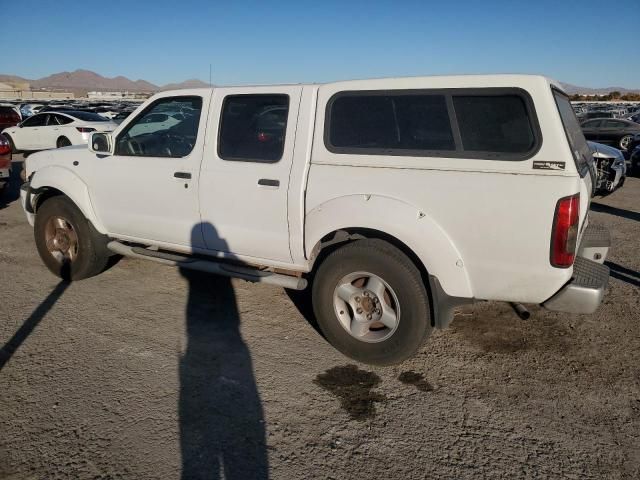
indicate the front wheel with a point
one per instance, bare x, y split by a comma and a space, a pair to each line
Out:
67, 242
371, 303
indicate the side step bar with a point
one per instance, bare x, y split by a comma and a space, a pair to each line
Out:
210, 266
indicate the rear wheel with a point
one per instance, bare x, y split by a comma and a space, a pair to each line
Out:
67, 242
625, 142
63, 142
371, 303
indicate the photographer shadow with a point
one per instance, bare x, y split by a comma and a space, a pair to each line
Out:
222, 429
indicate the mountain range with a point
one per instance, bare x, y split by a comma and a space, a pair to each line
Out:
574, 89
81, 81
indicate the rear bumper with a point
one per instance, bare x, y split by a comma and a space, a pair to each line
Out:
585, 291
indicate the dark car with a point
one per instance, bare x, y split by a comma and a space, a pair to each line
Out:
635, 161
9, 117
616, 132
595, 114
120, 117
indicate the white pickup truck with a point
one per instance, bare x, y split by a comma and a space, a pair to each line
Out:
397, 199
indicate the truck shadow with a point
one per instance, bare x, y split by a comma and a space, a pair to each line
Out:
494, 328
29, 325
222, 429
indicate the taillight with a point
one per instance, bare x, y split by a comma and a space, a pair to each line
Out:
5, 148
564, 235
85, 129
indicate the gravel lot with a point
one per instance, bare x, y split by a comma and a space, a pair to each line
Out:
148, 372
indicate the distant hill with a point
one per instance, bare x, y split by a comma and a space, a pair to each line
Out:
85, 79
574, 89
82, 81
193, 83
13, 79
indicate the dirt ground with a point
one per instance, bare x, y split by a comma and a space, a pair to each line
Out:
148, 372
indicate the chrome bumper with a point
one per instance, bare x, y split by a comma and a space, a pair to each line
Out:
585, 290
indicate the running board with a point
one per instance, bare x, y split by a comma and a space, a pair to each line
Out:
217, 268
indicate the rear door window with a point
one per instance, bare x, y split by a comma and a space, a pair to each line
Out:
253, 127
577, 142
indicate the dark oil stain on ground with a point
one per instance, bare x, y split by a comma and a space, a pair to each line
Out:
415, 379
353, 387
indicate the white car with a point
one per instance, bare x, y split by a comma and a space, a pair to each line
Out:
155, 122
56, 129
399, 199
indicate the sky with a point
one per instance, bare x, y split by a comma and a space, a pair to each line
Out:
585, 43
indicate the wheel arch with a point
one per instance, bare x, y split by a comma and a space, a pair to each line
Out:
53, 180
407, 227
60, 137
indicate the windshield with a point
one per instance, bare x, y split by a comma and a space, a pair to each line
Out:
577, 142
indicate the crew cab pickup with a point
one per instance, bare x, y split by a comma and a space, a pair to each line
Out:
395, 200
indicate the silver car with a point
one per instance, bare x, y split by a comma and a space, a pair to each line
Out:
611, 168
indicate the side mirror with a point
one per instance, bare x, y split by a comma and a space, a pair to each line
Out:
20, 125
100, 143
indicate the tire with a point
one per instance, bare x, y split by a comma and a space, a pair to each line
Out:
89, 257
624, 142
63, 142
11, 144
403, 293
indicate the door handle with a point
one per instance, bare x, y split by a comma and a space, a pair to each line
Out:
267, 182
185, 175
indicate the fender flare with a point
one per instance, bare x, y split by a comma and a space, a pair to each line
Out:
67, 182
405, 222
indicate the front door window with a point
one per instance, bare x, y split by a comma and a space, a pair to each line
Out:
167, 128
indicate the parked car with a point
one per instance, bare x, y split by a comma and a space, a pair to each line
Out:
617, 132
29, 109
9, 117
55, 130
5, 163
595, 114
401, 198
120, 117
611, 167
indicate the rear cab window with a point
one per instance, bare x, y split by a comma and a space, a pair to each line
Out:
488, 123
577, 142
